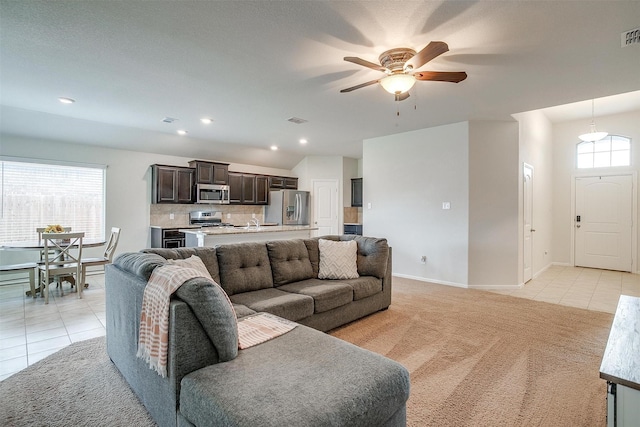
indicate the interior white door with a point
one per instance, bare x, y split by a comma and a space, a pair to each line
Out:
603, 222
325, 207
527, 196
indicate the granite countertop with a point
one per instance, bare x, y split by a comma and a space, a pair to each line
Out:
164, 227
241, 230
621, 359
352, 223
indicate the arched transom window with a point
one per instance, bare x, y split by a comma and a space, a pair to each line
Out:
614, 150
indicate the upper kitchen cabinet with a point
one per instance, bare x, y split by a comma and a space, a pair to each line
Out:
356, 192
172, 184
210, 173
281, 182
248, 189
262, 190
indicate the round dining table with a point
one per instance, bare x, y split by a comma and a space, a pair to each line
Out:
35, 245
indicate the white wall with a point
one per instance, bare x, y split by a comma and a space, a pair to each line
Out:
128, 191
493, 204
406, 177
536, 149
565, 138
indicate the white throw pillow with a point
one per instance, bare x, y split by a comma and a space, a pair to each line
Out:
193, 261
338, 260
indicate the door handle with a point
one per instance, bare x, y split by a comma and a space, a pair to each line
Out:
578, 226
533, 230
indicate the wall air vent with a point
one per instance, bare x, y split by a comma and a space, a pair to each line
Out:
169, 120
297, 120
630, 37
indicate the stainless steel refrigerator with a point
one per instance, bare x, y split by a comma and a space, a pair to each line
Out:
288, 207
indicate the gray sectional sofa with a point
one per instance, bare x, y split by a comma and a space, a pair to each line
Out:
302, 378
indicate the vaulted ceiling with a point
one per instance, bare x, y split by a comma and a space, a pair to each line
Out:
251, 65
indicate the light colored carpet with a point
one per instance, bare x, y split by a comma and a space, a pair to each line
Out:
482, 359
77, 386
476, 359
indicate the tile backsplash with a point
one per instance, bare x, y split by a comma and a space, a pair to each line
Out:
240, 214
352, 215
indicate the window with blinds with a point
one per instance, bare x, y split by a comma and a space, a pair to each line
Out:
35, 194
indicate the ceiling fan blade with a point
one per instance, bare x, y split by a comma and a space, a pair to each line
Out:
441, 76
349, 89
431, 51
364, 63
402, 96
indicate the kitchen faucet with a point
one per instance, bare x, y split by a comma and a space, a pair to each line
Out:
255, 222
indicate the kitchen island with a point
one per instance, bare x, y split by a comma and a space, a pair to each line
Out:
213, 236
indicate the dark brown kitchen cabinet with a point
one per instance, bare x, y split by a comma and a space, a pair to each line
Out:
210, 172
172, 184
262, 190
235, 188
356, 192
248, 189
280, 182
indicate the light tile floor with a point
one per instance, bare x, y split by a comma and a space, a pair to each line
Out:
580, 287
31, 330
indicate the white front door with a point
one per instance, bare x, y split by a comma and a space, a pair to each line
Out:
325, 207
527, 195
603, 222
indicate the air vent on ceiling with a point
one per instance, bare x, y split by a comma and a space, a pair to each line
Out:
297, 120
630, 37
169, 120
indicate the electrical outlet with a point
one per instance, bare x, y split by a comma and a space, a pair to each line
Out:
228, 216
253, 216
423, 259
172, 216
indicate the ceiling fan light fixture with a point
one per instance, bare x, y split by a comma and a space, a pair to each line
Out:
593, 135
398, 83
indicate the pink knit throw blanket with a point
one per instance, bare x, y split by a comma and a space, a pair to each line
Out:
153, 340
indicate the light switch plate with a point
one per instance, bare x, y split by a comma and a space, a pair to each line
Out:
446, 205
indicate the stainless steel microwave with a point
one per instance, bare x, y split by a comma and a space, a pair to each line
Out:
212, 194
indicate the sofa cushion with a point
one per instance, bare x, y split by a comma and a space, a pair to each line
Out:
314, 254
373, 254
140, 264
207, 255
244, 267
214, 311
284, 304
326, 294
364, 286
242, 310
338, 260
289, 261
302, 378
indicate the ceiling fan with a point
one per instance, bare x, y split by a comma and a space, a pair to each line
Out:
399, 65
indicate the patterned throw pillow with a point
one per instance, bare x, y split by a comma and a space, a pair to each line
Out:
338, 260
192, 262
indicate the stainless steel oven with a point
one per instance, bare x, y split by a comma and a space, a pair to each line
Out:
212, 194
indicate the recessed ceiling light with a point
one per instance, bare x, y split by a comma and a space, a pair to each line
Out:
66, 100
274, 147
182, 132
206, 120
303, 141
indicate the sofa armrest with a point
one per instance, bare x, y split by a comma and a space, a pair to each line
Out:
189, 347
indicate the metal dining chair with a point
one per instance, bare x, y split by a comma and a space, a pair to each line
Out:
106, 258
62, 254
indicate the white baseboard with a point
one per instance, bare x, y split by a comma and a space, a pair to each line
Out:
424, 279
497, 287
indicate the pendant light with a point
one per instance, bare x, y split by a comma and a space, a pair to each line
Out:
593, 135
